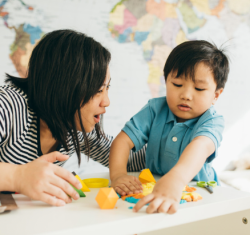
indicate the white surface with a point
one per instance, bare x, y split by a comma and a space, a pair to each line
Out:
237, 179
85, 217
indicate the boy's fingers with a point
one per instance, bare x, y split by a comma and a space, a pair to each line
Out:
132, 187
164, 207
136, 185
154, 205
145, 200
125, 188
173, 208
120, 191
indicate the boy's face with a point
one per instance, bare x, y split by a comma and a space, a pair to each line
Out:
188, 99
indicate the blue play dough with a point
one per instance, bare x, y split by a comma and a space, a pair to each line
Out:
132, 200
135, 200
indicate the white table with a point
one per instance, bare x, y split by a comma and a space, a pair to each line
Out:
218, 213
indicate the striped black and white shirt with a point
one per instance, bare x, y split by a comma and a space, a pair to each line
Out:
19, 140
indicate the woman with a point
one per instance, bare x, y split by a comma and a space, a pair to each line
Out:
53, 113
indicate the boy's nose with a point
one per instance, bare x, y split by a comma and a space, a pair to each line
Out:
186, 95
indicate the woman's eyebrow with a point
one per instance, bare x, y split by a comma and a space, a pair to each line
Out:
104, 84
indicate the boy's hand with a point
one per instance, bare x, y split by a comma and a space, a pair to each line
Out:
165, 197
126, 184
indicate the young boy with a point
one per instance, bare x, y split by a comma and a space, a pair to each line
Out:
182, 130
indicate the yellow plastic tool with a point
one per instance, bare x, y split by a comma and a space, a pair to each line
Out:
146, 176
96, 182
84, 186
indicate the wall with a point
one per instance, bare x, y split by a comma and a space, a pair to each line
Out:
140, 34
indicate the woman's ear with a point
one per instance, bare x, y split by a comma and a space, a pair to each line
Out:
217, 94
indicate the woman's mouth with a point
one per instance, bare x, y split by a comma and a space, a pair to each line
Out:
183, 107
97, 118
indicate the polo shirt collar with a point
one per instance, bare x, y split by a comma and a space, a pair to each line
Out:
189, 123
171, 117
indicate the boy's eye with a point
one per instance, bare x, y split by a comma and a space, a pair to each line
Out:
177, 85
198, 89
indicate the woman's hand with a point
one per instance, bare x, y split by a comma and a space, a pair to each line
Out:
165, 197
44, 181
126, 184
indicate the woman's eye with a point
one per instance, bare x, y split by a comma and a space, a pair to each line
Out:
108, 87
100, 91
177, 85
198, 89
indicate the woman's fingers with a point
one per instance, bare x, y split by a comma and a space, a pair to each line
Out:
145, 200
57, 192
67, 176
54, 156
65, 187
51, 200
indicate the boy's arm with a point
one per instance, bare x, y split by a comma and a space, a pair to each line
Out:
167, 192
193, 158
118, 159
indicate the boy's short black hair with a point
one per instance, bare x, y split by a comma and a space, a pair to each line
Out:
187, 55
66, 69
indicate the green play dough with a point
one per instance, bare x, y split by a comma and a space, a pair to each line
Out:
80, 192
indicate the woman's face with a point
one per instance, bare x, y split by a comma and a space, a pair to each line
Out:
91, 111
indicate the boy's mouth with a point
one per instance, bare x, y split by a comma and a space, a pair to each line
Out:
183, 107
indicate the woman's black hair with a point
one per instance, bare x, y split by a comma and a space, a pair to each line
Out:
187, 55
66, 69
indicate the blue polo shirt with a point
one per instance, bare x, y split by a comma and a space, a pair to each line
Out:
156, 125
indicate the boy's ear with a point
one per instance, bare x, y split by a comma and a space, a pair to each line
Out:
217, 94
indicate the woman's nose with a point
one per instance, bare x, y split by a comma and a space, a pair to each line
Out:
105, 101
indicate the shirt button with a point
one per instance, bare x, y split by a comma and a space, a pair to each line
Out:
174, 139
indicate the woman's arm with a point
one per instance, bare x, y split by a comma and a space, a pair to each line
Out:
7, 177
39, 179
